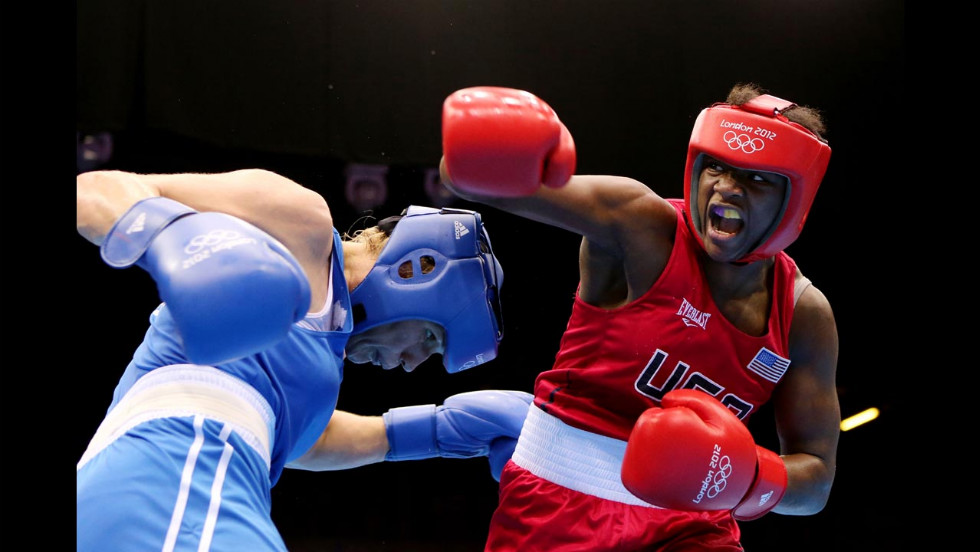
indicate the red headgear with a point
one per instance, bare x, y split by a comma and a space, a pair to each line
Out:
757, 136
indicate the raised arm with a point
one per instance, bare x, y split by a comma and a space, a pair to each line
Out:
296, 216
248, 250
293, 214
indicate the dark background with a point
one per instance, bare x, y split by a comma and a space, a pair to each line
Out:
304, 87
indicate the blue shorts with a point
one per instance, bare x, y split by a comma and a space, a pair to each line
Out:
180, 463
176, 484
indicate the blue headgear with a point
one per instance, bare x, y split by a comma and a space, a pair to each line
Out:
461, 292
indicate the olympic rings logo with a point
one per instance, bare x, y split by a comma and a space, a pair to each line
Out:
720, 479
211, 239
743, 142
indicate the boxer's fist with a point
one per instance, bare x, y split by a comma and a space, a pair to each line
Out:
467, 425
694, 454
232, 289
504, 142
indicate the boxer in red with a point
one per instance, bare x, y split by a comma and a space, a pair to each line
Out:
689, 316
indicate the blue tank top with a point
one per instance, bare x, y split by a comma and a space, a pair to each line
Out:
299, 377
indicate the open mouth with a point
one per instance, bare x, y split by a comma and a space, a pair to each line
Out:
725, 220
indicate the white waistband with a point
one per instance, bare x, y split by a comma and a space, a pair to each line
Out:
573, 458
188, 390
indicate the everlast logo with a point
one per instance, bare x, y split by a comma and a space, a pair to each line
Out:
692, 316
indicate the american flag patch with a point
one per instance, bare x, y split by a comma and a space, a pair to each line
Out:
769, 365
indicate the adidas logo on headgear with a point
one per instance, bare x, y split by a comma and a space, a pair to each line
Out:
460, 229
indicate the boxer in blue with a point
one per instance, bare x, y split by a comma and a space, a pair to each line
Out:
238, 374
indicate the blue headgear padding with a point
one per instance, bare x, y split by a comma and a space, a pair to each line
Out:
461, 292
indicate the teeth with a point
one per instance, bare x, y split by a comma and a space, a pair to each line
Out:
726, 213
726, 220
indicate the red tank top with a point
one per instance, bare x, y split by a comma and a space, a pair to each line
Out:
614, 364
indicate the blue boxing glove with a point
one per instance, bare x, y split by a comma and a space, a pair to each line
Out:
467, 425
233, 289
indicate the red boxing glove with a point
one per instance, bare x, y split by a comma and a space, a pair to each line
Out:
504, 142
694, 454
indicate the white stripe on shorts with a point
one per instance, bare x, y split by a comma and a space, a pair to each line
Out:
185, 485
219, 481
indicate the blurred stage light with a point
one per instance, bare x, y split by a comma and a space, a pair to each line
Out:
367, 186
860, 418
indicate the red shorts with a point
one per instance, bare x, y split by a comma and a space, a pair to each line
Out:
561, 492
537, 515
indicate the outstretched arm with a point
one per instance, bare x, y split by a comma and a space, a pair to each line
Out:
508, 149
467, 425
349, 441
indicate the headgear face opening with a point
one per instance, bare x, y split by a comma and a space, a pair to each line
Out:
460, 290
756, 136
